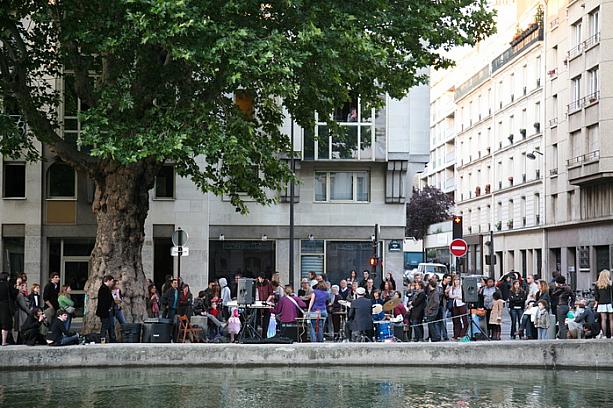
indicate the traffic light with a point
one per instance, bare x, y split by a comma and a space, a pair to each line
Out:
457, 226
373, 261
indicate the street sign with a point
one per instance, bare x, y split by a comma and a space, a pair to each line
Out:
179, 238
458, 247
394, 246
179, 251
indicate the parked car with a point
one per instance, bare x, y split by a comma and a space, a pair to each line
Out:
425, 268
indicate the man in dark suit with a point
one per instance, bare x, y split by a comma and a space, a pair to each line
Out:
360, 314
104, 307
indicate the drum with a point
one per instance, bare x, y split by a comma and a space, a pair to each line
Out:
384, 331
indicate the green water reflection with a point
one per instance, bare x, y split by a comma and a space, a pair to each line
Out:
305, 387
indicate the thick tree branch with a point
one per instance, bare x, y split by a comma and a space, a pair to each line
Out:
83, 85
37, 120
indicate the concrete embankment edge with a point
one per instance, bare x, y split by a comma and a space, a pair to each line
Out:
586, 354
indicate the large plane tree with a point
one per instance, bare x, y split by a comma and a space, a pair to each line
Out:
158, 79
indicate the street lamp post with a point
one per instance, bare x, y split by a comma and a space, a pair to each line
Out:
291, 208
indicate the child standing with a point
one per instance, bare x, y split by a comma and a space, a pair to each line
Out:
542, 320
496, 316
234, 324
214, 331
154, 302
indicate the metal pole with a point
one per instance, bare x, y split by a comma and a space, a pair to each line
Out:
180, 253
375, 244
492, 256
291, 208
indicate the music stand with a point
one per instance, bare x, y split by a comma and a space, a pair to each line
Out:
248, 329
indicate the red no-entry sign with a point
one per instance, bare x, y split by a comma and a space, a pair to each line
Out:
458, 247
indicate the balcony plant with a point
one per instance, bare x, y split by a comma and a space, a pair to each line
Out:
539, 14
511, 138
522, 132
537, 126
499, 225
510, 180
510, 224
487, 189
477, 191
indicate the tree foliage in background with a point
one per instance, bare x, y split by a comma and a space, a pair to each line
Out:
156, 80
426, 207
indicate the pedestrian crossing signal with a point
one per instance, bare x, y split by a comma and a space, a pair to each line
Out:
373, 261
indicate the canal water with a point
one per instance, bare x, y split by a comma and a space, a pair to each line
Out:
303, 387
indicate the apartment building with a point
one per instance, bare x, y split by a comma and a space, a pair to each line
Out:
346, 187
531, 166
579, 153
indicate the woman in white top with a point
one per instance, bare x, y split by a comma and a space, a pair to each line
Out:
458, 311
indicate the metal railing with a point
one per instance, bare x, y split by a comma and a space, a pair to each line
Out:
554, 23
553, 172
533, 34
588, 157
593, 97
575, 51
472, 83
575, 105
553, 122
591, 41
582, 46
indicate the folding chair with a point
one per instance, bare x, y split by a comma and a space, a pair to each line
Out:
187, 330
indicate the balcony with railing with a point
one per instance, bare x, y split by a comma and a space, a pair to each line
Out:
578, 49
449, 185
575, 51
466, 87
588, 168
591, 41
575, 106
592, 98
450, 157
526, 38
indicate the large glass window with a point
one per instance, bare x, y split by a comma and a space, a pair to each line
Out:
249, 258
576, 34
165, 182
575, 89
73, 107
14, 180
593, 83
312, 257
595, 23
361, 135
13, 256
342, 186
321, 186
61, 181
334, 258
344, 256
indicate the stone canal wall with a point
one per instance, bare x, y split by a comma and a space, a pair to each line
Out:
588, 354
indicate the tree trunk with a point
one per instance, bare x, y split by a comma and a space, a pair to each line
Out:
121, 204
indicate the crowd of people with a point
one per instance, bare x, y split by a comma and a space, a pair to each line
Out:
351, 310
30, 317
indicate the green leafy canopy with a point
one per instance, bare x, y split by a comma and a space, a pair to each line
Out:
426, 207
158, 76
